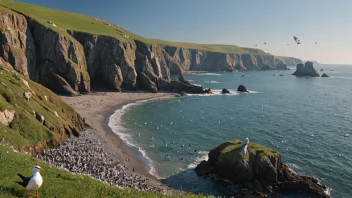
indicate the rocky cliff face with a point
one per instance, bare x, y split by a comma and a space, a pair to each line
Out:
69, 63
261, 170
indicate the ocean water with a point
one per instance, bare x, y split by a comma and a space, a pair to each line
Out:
305, 119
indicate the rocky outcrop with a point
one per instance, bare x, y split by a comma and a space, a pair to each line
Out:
306, 70
280, 65
60, 54
324, 75
261, 170
109, 60
16, 42
242, 89
6, 117
146, 83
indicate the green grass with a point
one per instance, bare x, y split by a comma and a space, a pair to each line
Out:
82, 23
57, 182
25, 131
283, 58
230, 152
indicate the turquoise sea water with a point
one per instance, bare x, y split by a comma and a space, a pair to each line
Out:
305, 119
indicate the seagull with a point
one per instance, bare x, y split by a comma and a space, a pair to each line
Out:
32, 183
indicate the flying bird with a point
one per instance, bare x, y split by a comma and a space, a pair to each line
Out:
316, 43
296, 40
32, 183
265, 43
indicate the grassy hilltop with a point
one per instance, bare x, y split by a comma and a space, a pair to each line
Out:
77, 22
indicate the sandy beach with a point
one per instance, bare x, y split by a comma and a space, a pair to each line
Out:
96, 108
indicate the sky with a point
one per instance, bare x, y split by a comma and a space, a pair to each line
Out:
233, 22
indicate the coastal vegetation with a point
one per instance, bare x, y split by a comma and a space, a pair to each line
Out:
39, 121
58, 182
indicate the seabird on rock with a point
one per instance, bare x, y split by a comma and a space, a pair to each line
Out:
32, 183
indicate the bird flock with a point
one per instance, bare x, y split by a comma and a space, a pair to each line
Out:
296, 40
86, 155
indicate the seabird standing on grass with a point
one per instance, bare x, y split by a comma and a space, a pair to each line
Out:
32, 183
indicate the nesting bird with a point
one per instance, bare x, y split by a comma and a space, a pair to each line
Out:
32, 183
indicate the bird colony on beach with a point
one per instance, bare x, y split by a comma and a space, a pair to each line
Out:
86, 155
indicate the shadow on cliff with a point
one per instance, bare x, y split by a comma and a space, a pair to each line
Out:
188, 181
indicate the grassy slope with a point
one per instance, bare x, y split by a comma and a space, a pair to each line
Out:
283, 58
83, 23
57, 182
25, 130
231, 151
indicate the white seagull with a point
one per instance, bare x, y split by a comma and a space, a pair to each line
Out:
34, 182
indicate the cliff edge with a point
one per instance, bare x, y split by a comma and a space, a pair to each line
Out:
69, 53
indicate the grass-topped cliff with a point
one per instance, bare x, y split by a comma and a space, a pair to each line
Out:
69, 52
230, 152
82, 23
42, 121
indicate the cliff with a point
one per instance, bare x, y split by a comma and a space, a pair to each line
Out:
31, 116
289, 61
74, 52
261, 170
306, 70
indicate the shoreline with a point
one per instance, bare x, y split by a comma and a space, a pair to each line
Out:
97, 108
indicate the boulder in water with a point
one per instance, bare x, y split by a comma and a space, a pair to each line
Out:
242, 88
321, 70
325, 75
225, 91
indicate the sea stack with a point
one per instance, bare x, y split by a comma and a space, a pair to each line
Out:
325, 75
306, 70
261, 170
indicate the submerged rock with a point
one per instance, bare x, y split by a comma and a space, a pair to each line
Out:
225, 91
306, 70
261, 170
325, 75
242, 88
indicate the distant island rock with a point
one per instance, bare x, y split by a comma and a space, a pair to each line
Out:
261, 170
325, 75
280, 65
306, 70
242, 88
